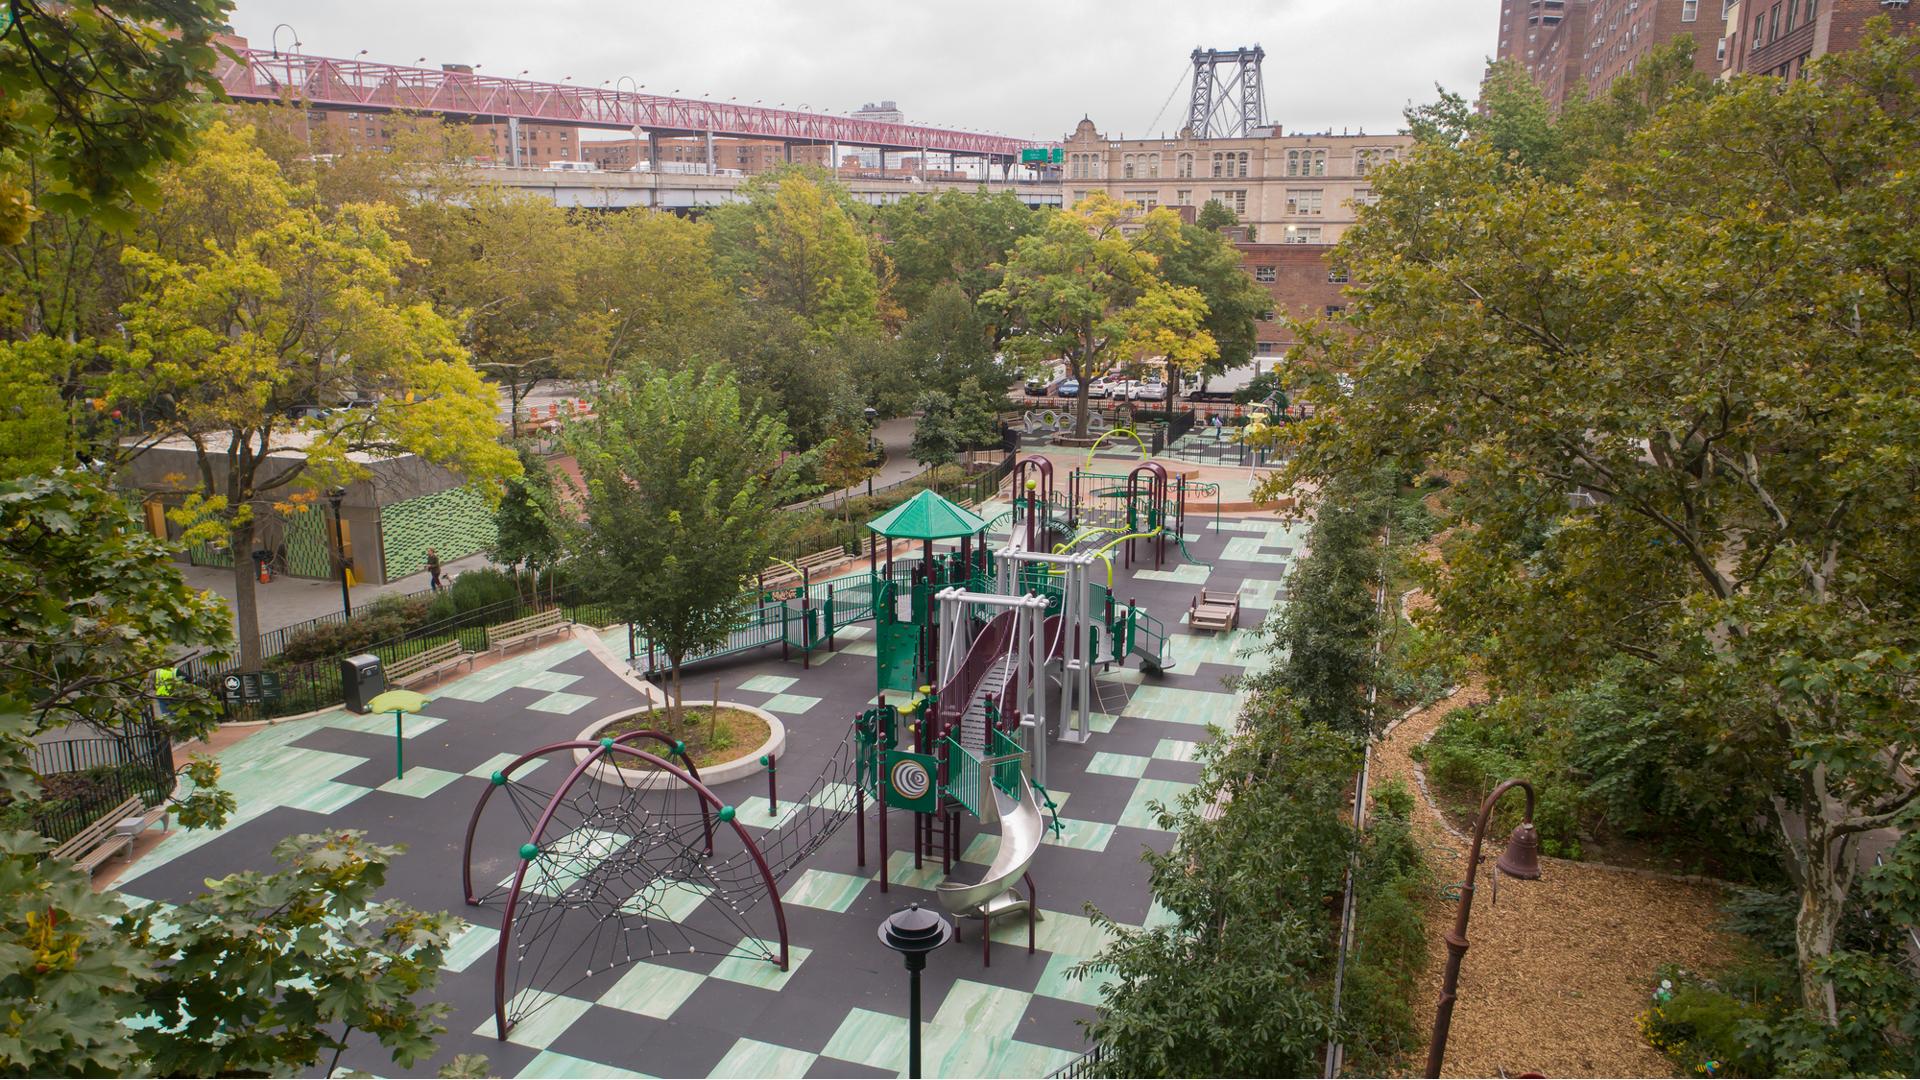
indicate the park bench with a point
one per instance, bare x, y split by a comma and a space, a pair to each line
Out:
781, 573
422, 666
1214, 611
504, 636
101, 840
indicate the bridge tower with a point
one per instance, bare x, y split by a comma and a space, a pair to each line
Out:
1229, 100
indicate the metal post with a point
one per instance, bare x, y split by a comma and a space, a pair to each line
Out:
340, 551
399, 747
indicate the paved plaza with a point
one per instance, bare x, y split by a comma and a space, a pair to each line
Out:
841, 1007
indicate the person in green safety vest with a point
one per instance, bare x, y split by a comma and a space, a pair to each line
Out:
165, 681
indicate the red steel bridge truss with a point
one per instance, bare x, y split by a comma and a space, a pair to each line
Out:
328, 82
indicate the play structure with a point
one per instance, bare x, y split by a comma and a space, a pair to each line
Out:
983, 657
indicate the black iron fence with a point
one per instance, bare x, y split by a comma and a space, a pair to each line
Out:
315, 684
274, 642
83, 779
1093, 1063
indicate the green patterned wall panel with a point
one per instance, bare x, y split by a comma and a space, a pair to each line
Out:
307, 546
456, 523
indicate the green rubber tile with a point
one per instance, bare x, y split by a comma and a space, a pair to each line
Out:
1185, 574
419, 782
1100, 723
1158, 916
382, 724
900, 869
323, 798
1257, 527
1013, 1057
970, 1023
751, 970
980, 849
751, 1057
757, 812
479, 687
564, 860
860, 648
870, 1038
487, 768
469, 945
562, 703
1261, 592
668, 899
554, 1014
652, 990
1122, 675
844, 634
1176, 750
824, 889
1138, 815
1180, 706
790, 703
1055, 982
1247, 549
547, 680
768, 684
1057, 932
567, 1067
1081, 835
1118, 765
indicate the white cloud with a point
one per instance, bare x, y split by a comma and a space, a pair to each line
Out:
1012, 67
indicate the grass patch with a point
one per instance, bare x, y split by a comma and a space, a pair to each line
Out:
710, 738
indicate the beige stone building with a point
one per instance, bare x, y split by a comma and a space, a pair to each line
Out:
1293, 189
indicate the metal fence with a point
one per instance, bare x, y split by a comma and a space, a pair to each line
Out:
274, 642
1093, 1063
315, 684
83, 779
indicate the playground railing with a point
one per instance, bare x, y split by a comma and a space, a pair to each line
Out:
988, 650
963, 776
1006, 775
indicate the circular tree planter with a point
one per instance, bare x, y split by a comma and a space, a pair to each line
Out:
713, 775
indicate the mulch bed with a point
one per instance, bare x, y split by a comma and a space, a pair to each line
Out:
1559, 969
738, 731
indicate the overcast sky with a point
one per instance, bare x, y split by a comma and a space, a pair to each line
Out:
1024, 68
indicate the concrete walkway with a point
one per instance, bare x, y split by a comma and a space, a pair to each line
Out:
896, 436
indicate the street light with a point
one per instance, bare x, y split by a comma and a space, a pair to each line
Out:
334, 496
288, 27
913, 933
871, 414
1520, 860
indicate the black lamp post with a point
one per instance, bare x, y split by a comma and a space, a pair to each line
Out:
335, 496
871, 414
913, 932
1520, 860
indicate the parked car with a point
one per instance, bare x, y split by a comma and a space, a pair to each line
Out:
1120, 389
1097, 388
1070, 388
1041, 387
1150, 390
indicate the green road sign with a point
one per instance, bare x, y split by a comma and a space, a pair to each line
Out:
910, 781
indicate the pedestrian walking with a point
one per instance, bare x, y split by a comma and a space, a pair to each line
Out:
165, 681
433, 570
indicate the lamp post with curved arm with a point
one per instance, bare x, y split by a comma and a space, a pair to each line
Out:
288, 27
1520, 860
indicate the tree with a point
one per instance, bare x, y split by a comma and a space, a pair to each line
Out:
1081, 289
791, 242
949, 423
956, 238
1215, 215
784, 367
1677, 398
98, 96
949, 341
531, 522
1206, 261
683, 493
648, 276
1238, 981
300, 310
511, 268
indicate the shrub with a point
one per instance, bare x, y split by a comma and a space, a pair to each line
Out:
387, 618
1698, 1024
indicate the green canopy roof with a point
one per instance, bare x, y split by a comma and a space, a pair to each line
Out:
927, 516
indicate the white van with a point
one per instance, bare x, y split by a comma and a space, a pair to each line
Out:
571, 166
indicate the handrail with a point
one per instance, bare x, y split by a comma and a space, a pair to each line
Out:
957, 693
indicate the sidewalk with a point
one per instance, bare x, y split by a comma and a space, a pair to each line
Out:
897, 436
289, 600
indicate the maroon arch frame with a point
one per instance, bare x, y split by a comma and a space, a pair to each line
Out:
598, 750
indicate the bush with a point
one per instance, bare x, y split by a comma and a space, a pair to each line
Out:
383, 620
471, 591
1697, 1025
1390, 939
1476, 748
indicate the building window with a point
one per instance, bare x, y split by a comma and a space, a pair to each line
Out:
1234, 200
1301, 234
1337, 276
1183, 197
1267, 315
1147, 199
1304, 201
1793, 12
1126, 167
1364, 196
1689, 10
1079, 197
1229, 165
1335, 309
1265, 348
1153, 165
1266, 275
1367, 160
1773, 25
1185, 169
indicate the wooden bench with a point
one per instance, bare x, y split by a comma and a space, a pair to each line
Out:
101, 840
425, 665
1214, 611
504, 636
782, 573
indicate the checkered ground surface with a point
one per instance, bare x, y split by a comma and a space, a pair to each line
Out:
840, 1010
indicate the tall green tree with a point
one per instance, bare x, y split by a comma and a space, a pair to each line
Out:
649, 278
530, 525
967, 419
296, 309
1084, 290
792, 242
1206, 261
1677, 395
958, 238
684, 486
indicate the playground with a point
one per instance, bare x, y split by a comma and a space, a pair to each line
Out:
978, 720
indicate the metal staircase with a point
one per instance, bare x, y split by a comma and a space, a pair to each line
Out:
975, 722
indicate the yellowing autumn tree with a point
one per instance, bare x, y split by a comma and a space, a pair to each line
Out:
276, 307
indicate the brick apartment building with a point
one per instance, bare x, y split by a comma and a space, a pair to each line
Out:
1779, 37
1575, 46
1305, 284
750, 156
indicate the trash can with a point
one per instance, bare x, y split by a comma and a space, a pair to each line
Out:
361, 680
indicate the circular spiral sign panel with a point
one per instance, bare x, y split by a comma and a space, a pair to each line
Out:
910, 779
